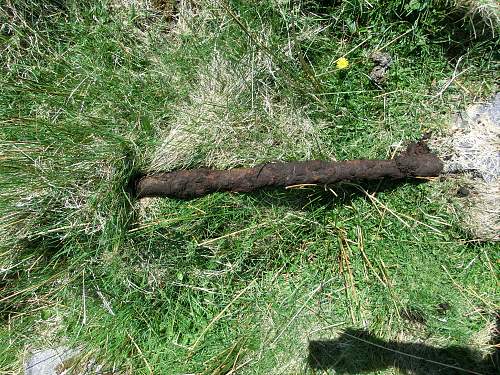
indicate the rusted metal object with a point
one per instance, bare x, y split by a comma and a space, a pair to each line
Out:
416, 161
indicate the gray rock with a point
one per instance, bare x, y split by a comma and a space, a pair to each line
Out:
382, 63
51, 361
382, 59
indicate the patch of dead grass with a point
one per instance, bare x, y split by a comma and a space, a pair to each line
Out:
487, 10
471, 146
233, 118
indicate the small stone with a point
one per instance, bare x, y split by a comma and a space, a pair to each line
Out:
462, 192
378, 74
382, 59
61, 360
382, 62
50, 361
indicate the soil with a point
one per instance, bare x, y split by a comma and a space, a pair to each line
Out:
416, 161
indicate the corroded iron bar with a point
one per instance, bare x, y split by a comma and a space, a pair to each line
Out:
416, 161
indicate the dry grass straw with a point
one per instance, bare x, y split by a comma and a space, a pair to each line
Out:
472, 147
234, 118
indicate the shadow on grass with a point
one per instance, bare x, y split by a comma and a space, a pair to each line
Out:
358, 351
314, 197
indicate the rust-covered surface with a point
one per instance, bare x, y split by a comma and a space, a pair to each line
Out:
416, 161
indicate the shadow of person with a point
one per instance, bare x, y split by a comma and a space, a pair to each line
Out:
358, 351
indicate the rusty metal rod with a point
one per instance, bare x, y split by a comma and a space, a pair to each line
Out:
416, 161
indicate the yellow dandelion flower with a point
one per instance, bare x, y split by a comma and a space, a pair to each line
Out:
342, 63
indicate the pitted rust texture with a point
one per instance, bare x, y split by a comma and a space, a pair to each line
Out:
416, 161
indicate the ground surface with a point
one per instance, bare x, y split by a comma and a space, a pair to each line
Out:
279, 281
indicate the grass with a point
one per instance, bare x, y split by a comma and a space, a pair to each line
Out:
94, 92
